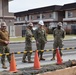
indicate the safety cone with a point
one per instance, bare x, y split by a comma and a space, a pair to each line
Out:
59, 59
13, 64
36, 61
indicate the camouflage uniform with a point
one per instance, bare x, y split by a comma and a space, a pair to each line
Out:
28, 44
58, 34
40, 37
4, 36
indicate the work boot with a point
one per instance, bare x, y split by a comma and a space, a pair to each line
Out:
4, 67
52, 59
30, 61
24, 61
42, 59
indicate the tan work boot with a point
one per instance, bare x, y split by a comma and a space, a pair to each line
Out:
4, 67
42, 59
52, 59
24, 61
30, 61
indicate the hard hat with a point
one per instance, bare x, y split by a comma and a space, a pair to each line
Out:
30, 24
59, 24
3, 24
41, 22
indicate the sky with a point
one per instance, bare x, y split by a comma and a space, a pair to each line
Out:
23, 5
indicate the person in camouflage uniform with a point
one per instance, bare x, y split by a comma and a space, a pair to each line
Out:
4, 41
58, 35
28, 43
41, 39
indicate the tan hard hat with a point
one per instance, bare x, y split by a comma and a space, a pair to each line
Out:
3, 24
30, 24
59, 23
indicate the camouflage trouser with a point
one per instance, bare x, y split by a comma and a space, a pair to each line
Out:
57, 45
4, 49
28, 48
40, 46
54, 53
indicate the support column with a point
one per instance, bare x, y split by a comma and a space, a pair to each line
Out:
6, 16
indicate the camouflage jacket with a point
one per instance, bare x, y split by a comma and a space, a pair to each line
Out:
28, 35
40, 34
59, 34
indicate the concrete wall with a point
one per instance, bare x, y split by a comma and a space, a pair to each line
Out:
0, 8
7, 17
74, 13
5, 7
18, 30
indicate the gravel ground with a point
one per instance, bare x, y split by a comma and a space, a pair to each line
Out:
45, 68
